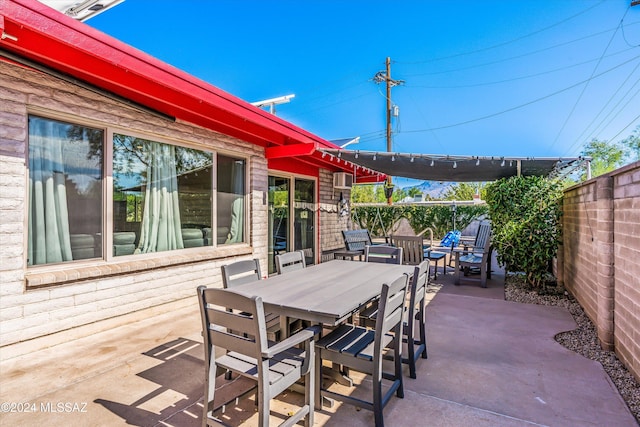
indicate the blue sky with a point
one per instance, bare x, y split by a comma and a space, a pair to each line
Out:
534, 78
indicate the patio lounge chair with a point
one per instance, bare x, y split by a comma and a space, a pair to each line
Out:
478, 257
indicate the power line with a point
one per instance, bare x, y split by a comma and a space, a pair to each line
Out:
589, 80
488, 116
533, 52
528, 76
624, 128
612, 118
606, 105
507, 42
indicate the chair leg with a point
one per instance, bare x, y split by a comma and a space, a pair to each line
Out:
309, 388
263, 407
317, 396
423, 332
377, 401
411, 355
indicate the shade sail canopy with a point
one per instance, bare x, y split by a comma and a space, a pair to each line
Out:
432, 167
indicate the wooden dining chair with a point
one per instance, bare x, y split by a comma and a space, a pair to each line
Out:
414, 337
290, 261
415, 311
363, 349
412, 248
248, 271
242, 334
383, 254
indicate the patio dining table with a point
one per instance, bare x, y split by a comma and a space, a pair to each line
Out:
326, 293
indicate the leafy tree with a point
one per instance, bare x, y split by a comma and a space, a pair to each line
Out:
525, 216
632, 143
464, 191
606, 156
363, 193
414, 191
398, 194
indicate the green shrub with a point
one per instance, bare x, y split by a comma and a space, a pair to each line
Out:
525, 217
381, 219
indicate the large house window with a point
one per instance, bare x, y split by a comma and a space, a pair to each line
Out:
230, 199
163, 195
65, 192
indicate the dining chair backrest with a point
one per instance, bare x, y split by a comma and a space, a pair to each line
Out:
383, 254
242, 333
241, 272
356, 240
483, 235
391, 310
290, 261
412, 248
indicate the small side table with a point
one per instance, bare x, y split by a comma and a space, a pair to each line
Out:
437, 256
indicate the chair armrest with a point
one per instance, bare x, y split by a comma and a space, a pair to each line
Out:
292, 341
471, 250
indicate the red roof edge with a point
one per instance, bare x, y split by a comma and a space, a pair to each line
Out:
36, 32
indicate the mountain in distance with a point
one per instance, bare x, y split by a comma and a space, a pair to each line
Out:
435, 189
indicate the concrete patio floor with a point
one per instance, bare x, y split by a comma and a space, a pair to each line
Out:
491, 363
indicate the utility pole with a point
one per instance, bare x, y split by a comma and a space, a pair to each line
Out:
385, 76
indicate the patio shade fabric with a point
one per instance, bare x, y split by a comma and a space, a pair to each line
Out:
431, 167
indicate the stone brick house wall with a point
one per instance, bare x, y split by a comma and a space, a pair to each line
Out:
332, 223
598, 262
47, 305
67, 301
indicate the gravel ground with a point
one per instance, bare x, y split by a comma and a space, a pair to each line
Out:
582, 340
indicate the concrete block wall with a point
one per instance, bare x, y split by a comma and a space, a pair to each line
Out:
601, 248
626, 253
43, 306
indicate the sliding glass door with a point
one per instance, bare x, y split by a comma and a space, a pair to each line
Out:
292, 218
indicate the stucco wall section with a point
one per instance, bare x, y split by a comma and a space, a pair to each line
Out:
98, 291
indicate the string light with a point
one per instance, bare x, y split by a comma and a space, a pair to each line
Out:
502, 164
411, 159
455, 165
393, 158
478, 161
356, 155
432, 162
510, 163
374, 156
339, 154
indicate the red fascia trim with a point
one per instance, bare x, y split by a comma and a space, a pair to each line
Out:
294, 165
58, 41
292, 150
